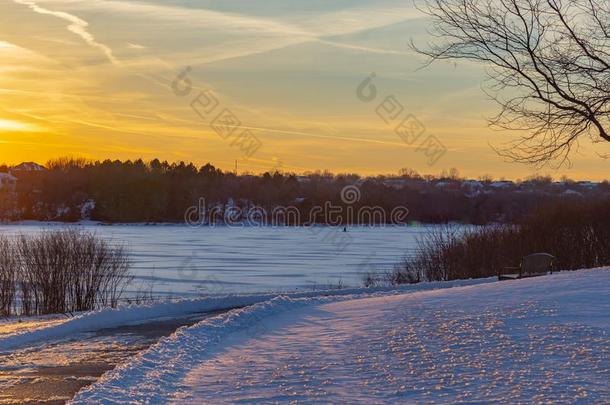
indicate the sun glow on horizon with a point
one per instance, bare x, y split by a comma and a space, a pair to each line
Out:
95, 79
16, 126
4, 44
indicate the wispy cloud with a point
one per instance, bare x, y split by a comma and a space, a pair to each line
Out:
239, 35
324, 136
77, 26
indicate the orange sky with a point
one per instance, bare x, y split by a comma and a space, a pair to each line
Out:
93, 79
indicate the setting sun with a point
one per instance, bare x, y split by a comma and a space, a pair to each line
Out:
10, 125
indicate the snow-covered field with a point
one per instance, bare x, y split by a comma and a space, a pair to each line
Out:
187, 261
539, 340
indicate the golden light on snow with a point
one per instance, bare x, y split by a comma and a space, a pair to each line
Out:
25, 324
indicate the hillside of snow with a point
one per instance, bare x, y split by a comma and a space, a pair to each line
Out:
544, 339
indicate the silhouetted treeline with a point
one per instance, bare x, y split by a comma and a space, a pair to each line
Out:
155, 191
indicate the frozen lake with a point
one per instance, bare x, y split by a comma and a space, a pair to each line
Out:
184, 261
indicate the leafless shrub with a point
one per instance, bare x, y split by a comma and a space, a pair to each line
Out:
70, 271
372, 279
577, 234
407, 272
450, 254
8, 276
329, 285
144, 295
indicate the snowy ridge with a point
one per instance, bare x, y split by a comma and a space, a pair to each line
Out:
157, 372
111, 318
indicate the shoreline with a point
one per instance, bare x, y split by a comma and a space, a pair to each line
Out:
236, 225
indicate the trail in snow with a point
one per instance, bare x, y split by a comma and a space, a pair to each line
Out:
17, 337
532, 340
55, 371
53, 357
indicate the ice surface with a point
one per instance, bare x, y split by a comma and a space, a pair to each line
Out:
189, 261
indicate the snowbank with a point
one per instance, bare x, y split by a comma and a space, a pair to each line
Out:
181, 351
111, 318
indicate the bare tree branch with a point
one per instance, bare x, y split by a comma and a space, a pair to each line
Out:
548, 63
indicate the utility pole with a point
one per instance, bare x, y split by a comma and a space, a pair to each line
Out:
236, 167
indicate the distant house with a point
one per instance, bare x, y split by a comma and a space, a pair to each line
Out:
501, 184
303, 179
472, 188
396, 183
8, 183
28, 167
26, 173
449, 185
472, 184
8, 196
571, 193
588, 185
559, 184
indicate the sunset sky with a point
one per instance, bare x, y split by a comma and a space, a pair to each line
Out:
92, 78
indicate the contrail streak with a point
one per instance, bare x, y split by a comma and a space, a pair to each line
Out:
77, 26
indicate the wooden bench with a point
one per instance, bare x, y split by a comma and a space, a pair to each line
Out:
537, 264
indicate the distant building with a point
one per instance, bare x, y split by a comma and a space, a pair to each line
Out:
396, 183
28, 167
475, 184
501, 184
588, 185
8, 196
23, 172
303, 179
8, 182
449, 185
571, 193
472, 188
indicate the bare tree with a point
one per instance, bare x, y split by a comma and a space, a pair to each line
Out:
548, 63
